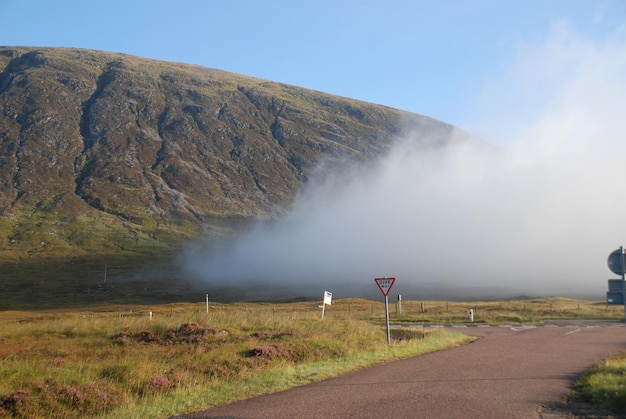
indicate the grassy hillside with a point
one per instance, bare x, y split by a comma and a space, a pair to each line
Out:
102, 152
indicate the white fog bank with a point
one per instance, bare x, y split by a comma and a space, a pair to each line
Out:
536, 213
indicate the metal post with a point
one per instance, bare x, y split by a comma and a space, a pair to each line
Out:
623, 269
387, 320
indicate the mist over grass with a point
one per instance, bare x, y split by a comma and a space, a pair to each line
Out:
536, 210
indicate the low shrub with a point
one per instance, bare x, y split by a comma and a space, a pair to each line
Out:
186, 333
14, 404
407, 334
55, 399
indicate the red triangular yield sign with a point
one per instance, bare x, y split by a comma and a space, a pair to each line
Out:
385, 284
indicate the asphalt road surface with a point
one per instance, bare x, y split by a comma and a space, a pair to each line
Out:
510, 372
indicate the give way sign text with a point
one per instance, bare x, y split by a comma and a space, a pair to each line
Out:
385, 284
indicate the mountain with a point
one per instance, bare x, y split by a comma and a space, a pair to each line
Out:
103, 153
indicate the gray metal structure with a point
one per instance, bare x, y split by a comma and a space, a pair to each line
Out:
616, 295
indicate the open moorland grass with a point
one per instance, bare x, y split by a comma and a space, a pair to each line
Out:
163, 360
528, 311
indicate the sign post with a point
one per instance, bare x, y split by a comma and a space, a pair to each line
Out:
384, 285
617, 265
328, 298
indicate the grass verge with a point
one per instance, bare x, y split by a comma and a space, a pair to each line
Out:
604, 386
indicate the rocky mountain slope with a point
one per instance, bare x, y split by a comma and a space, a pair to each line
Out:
102, 152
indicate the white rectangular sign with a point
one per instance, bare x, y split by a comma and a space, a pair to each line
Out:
328, 297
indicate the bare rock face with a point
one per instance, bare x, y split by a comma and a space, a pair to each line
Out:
100, 149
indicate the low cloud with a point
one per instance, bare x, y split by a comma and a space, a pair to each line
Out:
534, 211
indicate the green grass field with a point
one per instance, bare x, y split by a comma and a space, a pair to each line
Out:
166, 359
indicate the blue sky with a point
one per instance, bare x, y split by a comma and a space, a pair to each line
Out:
429, 57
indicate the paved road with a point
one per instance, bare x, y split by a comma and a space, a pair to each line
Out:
510, 372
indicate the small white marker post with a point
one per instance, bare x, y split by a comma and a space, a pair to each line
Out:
384, 285
328, 297
207, 304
